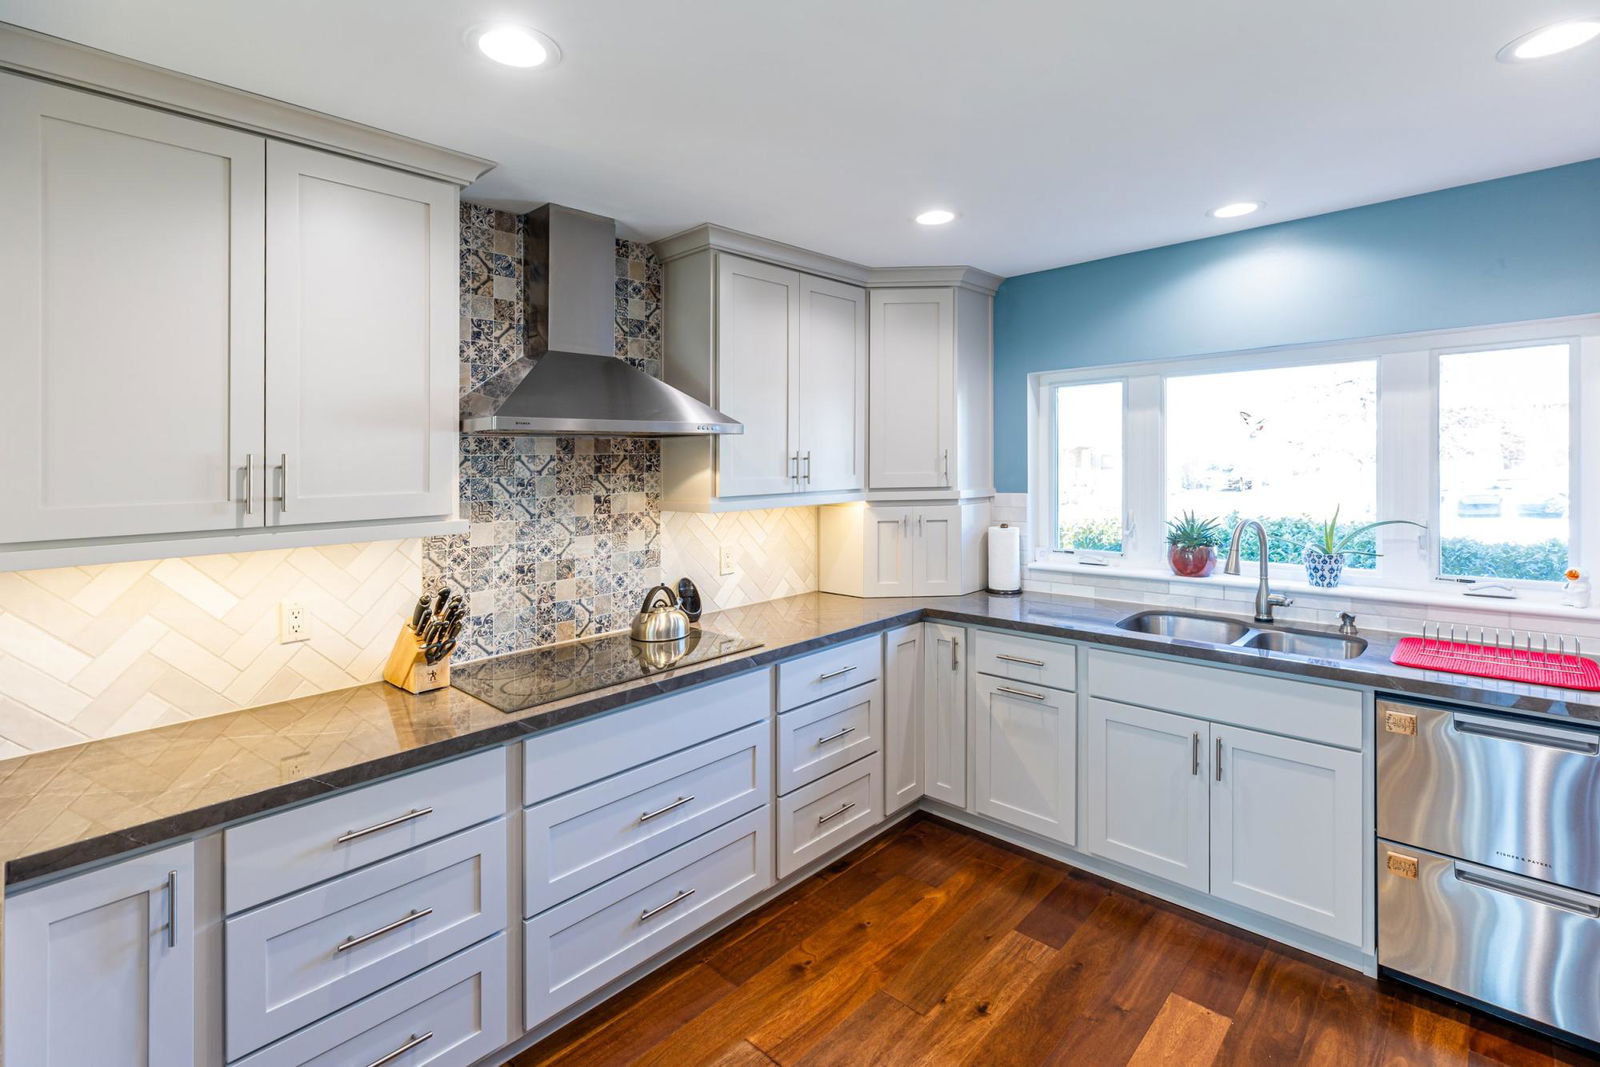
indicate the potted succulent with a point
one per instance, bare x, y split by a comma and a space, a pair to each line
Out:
1325, 557
1192, 545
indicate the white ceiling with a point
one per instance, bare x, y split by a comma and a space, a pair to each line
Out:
1061, 130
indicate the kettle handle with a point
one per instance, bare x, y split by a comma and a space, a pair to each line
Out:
649, 598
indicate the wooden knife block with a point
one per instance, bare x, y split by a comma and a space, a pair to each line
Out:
407, 668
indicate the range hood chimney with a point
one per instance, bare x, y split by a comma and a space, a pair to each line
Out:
569, 380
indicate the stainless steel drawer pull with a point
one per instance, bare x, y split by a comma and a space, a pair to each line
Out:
659, 908
352, 835
412, 1043
1194, 758
835, 674
249, 484
1581, 743
1219, 759
172, 909
405, 920
1018, 692
1516, 889
680, 802
283, 465
832, 815
1019, 659
836, 736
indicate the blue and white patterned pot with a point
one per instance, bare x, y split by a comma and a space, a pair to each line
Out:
1323, 570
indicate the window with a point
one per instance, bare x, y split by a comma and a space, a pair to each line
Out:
1284, 446
1089, 466
1504, 462
1473, 437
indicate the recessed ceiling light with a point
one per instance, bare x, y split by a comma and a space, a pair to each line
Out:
1233, 211
936, 217
516, 46
1551, 40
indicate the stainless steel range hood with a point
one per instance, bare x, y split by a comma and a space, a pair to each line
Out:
569, 380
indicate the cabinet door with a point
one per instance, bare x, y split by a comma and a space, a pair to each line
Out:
362, 325
1146, 790
902, 717
1025, 755
758, 335
891, 546
831, 386
130, 318
913, 407
1286, 834
944, 713
938, 555
100, 967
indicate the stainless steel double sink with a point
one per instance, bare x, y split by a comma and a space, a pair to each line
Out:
1225, 632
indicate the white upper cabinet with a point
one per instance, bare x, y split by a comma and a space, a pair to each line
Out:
131, 370
830, 387
784, 353
902, 550
100, 967
362, 325
931, 410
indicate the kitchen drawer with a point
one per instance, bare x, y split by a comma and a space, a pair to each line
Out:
816, 818
449, 1015
569, 757
580, 839
1519, 943
1326, 714
296, 960
800, 681
1025, 659
828, 734
312, 843
577, 947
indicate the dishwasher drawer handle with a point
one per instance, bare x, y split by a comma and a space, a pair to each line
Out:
406, 920
649, 913
1516, 889
1018, 692
835, 736
1583, 744
832, 815
410, 1044
680, 802
354, 835
835, 674
1019, 659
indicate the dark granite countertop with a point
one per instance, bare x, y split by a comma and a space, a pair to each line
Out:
65, 807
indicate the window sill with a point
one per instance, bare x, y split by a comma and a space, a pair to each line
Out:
1531, 603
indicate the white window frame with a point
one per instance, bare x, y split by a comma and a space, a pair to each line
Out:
1408, 399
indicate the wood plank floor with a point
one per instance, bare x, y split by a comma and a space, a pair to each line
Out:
934, 945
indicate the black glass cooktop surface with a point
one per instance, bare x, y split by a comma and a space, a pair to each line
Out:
525, 680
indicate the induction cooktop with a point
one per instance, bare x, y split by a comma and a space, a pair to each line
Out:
525, 680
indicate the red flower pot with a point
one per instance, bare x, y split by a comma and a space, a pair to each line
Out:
1192, 562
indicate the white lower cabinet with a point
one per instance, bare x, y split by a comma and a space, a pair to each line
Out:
823, 814
100, 967
577, 947
1025, 757
449, 1015
944, 713
903, 721
1146, 791
828, 734
1286, 834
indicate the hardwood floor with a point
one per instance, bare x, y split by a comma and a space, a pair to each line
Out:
933, 945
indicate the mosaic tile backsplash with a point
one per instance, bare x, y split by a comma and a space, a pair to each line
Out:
566, 531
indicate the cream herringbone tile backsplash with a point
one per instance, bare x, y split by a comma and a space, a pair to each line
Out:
88, 652
776, 554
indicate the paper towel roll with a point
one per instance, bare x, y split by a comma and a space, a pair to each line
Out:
1005, 559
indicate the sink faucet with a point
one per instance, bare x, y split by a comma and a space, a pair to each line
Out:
1266, 599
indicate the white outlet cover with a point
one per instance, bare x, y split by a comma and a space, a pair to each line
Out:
293, 622
725, 560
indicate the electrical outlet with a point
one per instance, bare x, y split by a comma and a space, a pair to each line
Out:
293, 622
726, 563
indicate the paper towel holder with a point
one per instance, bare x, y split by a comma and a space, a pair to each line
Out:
1003, 592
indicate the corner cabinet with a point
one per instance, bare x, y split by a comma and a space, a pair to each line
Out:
204, 331
902, 550
100, 967
783, 352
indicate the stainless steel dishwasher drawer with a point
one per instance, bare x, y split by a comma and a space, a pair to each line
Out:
1511, 793
1526, 946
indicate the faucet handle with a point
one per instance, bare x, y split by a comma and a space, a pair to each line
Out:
1279, 600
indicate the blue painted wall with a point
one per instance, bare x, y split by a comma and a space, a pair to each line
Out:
1524, 247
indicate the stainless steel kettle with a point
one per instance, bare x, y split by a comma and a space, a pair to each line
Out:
660, 619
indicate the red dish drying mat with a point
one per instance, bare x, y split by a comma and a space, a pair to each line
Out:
1510, 665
